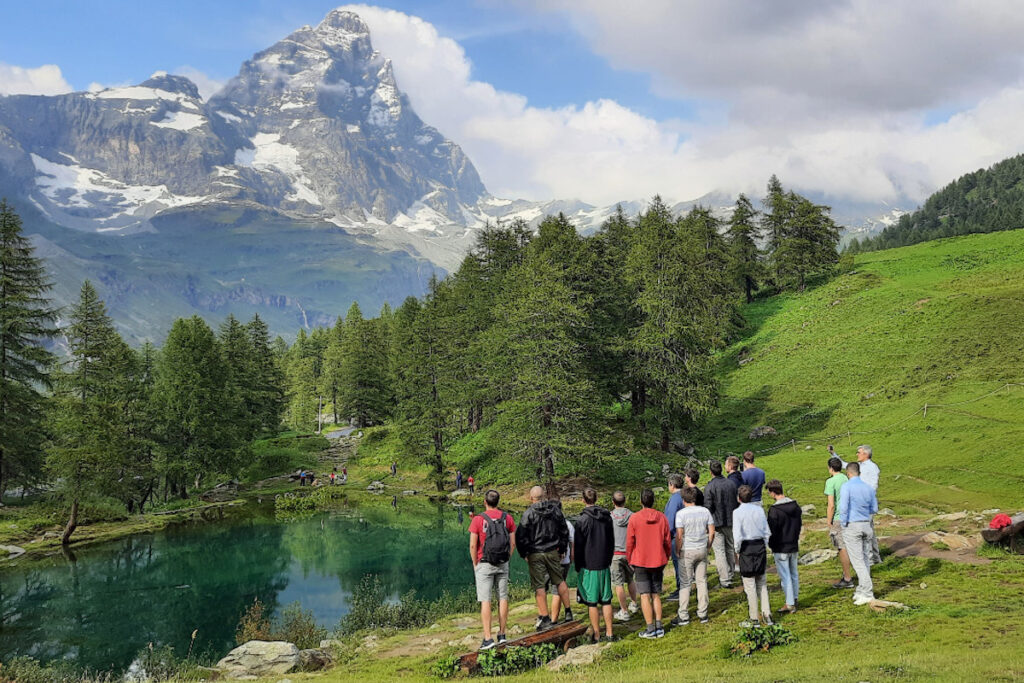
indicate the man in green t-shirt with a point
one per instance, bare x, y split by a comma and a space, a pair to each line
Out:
835, 533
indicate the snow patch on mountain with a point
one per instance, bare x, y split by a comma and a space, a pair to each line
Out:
180, 120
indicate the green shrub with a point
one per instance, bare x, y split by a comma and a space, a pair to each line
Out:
298, 626
446, 667
371, 609
512, 660
320, 499
757, 639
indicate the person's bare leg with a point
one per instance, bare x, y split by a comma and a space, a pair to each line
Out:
563, 592
485, 618
647, 609
657, 606
632, 591
556, 606
594, 625
542, 602
620, 593
502, 616
606, 610
844, 559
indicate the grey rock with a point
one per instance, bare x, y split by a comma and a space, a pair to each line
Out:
808, 509
314, 659
584, 655
951, 517
12, 551
259, 658
990, 511
409, 492
887, 512
818, 556
761, 432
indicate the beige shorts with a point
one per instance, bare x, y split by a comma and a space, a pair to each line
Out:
622, 573
835, 534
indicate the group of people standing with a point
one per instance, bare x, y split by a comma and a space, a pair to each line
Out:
621, 555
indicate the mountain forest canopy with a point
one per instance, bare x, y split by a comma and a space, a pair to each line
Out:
987, 200
548, 338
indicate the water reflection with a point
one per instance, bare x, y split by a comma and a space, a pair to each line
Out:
100, 606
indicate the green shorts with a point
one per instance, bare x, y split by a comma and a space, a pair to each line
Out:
545, 568
594, 587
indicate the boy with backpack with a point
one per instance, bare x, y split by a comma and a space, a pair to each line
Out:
492, 538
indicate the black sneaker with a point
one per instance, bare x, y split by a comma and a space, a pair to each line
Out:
674, 595
679, 622
487, 644
568, 616
502, 639
843, 583
703, 620
609, 639
544, 624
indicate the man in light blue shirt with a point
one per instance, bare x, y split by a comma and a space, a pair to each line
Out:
672, 508
857, 507
750, 535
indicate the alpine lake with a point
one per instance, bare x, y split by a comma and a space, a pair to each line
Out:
98, 606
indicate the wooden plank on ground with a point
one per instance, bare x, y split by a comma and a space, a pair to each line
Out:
561, 635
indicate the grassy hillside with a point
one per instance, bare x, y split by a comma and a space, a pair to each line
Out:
857, 359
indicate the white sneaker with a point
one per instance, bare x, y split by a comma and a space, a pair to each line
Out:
621, 615
862, 599
633, 608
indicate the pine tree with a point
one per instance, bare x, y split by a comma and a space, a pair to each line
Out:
743, 234
90, 430
364, 370
196, 437
25, 322
268, 377
331, 377
778, 211
809, 244
301, 382
240, 391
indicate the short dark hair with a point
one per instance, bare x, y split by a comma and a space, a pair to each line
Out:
647, 498
716, 468
774, 486
492, 497
835, 464
748, 456
745, 493
853, 467
675, 480
589, 496
689, 495
619, 498
693, 475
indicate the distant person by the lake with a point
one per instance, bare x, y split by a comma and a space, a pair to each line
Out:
833, 486
648, 551
720, 500
785, 519
857, 508
622, 573
470, 482
870, 473
732, 470
334, 475
750, 534
543, 540
458, 479
674, 505
552, 588
692, 477
492, 538
753, 477
394, 469
594, 548
302, 477
695, 531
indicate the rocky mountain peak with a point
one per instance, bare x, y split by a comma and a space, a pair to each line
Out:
172, 83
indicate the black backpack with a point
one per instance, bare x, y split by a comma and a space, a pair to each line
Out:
497, 545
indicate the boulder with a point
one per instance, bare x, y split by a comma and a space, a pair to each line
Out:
314, 659
12, 551
682, 448
886, 512
578, 656
883, 605
951, 517
370, 642
761, 432
808, 509
954, 541
460, 493
818, 556
259, 658
665, 469
409, 492
375, 486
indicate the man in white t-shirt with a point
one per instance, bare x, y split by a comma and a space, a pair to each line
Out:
695, 531
869, 474
556, 601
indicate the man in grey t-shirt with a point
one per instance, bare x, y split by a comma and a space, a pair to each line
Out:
622, 573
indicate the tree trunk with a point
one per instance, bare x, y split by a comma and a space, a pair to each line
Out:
72, 524
639, 399
664, 438
750, 289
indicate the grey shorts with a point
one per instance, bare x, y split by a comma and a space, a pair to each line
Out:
648, 580
835, 534
489, 578
622, 573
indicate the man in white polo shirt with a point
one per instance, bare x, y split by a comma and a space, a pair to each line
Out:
869, 474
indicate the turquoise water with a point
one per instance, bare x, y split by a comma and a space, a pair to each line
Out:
109, 601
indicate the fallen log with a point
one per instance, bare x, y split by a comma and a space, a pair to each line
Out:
1011, 534
563, 635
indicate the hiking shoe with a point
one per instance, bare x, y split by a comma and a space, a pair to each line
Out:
679, 622
647, 634
609, 639
621, 615
843, 583
861, 600
704, 620
487, 644
633, 608
502, 639
766, 620
544, 623
750, 623
568, 616
660, 633
674, 595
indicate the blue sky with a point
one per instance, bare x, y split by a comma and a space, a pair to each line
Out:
606, 101
124, 41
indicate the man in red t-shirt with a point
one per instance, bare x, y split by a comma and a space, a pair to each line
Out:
491, 573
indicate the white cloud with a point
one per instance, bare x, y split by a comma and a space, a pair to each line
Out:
820, 96
42, 80
207, 84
